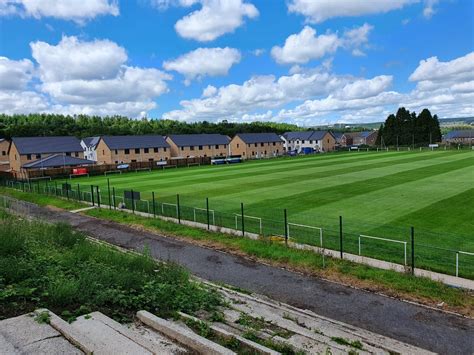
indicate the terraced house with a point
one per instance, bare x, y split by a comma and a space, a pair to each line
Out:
198, 145
309, 141
24, 151
4, 161
130, 149
257, 145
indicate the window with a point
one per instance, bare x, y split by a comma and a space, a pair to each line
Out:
310, 142
137, 150
191, 147
146, 150
28, 157
274, 143
76, 154
243, 153
303, 141
200, 147
261, 144
4, 152
38, 156
265, 152
248, 145
15, 157
217, 146
155, 150
237, 145
127, 151
182, 148
151, 159
134, 160
103, 152
278, 151
164, 149
68, 154
116, 162
256, 144
253, 153
116, 151
328, 140
210, 147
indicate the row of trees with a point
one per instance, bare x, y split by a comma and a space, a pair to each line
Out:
85, 126
406, 128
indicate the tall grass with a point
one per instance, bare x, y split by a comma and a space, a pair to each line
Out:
55, 267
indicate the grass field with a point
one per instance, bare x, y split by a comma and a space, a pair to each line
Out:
379, 194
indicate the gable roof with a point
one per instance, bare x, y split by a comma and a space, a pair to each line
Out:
465, 133
363, 134
57, 160
131, 142
91, 142
250, 138
306, 135
338, 135
50, 145
187, 140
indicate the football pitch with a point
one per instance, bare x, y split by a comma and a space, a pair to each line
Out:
378, 194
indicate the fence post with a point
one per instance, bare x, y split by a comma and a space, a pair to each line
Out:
286, 227
56, 188
178, 208
133, 202
207, 211
108, 189
242, 213
67, 190
113, 198
79, 192
412, 250
153, 202
340, 237
98, 196
92, 195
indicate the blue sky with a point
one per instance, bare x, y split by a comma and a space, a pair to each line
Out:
304, 61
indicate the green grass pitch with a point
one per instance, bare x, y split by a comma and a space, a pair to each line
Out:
378, 194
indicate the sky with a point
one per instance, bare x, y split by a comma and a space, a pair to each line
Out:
308, 62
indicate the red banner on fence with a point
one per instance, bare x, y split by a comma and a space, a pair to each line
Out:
79, 171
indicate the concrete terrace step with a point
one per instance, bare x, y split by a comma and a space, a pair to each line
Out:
24, 335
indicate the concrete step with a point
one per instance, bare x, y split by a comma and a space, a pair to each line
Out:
24, 335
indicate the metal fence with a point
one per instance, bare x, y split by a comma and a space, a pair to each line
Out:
404, 246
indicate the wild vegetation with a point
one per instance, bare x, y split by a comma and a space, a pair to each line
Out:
55, 267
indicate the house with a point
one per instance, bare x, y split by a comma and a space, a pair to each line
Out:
89, 144
130, 149
360, 138
198, 145
4, 161
309, 141
25, 150
57, 161
459, 137
256, 145
339, 137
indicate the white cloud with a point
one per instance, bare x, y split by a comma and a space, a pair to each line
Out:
209, 91
15, 74
431, 69
429, 9
204, 62
321, 10
302, 47
78, 11
214, 19
76, 59
364, 88
81, 77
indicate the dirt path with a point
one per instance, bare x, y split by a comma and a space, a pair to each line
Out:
417, 325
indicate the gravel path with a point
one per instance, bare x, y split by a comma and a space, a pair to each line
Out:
417, 325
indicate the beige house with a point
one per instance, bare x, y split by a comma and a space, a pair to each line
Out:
26, 150
130, 149
257, 145
4, 161
198, 145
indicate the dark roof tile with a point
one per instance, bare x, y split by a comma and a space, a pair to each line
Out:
131, 142
47, 145
187, 140
250, 138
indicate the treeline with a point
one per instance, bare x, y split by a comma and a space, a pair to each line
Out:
85, 126
407, 128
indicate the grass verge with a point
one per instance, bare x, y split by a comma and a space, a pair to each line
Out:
55, 267
391, 283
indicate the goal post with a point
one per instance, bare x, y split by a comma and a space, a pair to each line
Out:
363, 236
457, 259
112, 172
258, 219
211, 213
317, 230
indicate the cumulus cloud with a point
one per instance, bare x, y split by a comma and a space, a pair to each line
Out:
204, 62
433, 70
78, 11
321, 10
302, 47
80, 77
214, 19
15, 74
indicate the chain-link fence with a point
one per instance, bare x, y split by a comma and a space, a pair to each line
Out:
403, 246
